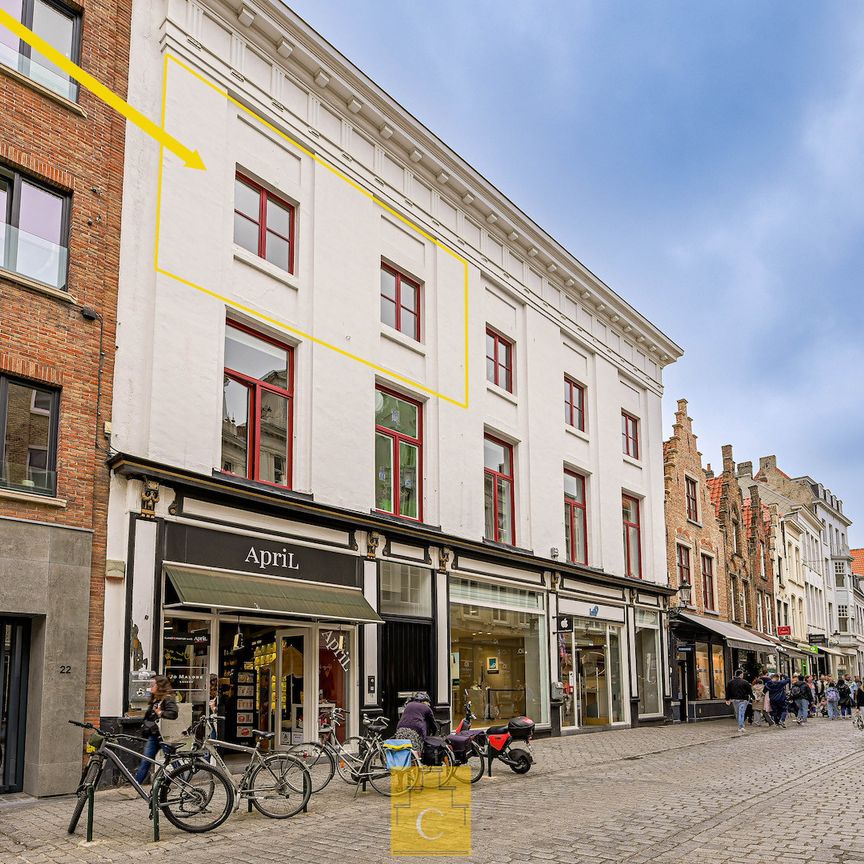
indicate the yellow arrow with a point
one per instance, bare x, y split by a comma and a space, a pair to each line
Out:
191, 158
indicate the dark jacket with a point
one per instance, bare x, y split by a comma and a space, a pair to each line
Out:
739, 688
802, 692
419, 717
170, 711
845, 694
859, 697
776, 689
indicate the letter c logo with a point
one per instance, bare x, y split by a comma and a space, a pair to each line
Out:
420, 830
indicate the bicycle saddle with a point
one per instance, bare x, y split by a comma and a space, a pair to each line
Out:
266, 736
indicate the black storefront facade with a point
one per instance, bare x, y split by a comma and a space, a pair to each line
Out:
281, 609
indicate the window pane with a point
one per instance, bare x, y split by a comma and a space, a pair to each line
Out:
408, 480
496, 456
273, 455
278, 250
384, 473
504, 376
235, 427
406, 589
40, 237
408, 296
633, 560
581, 550
246, 233
630, 510
574, 486
408, 324
505, 513
388, 284
568, 516
26, 440
256, 358
278, 218
489, 504
397, 414
8, 40
490, 346
490, 369
246, 199
388, 311
57, 29
719, 671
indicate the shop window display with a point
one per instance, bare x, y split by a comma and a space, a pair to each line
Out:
648, 661
186, 661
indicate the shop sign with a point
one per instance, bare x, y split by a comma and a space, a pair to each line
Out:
189, 544
564, 624
817, 639
784, 630
333, 643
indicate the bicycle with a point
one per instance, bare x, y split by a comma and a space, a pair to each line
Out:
188, 788
324, 757
277, 784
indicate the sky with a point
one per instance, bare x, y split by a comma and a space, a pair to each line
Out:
706, 160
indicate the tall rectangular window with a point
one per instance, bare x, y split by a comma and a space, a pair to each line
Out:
632, 537
682, 561
691, 491
499, 360
498, 490
762, 560
574, 404
400, 302
708, 582
257, 406
34, 229
398, 455
575, 518
629, 435
58, 25
263, 223
28, 436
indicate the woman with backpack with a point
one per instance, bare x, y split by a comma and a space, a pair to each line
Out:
832, 699
161, 705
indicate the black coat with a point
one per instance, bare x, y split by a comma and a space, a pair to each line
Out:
738, 688
170, 711
805, 691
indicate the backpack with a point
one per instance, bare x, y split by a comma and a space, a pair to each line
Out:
798, 691
832, 695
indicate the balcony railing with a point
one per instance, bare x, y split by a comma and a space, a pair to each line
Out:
38, 69
25, 478
32, 256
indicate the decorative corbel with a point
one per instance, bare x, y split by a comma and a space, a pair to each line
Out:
372, 541
443, 559
149, 499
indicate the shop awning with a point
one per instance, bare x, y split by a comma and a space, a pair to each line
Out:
270, 595
735, 636
832, 651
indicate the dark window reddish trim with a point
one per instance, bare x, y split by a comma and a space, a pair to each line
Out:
398, 437
630, 435
400, 306
256, 388
692, 500
576, 511
508, 478
263, 196
574, 404
628, 525
708, 581
682, 562
501, 371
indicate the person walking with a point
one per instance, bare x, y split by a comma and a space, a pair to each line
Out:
739, 694
859, 699
761, 706
800, 692
776, 688
845, 692
832, 699
819, 686
814, 701
162, 704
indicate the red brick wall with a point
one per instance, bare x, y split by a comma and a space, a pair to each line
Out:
46, 339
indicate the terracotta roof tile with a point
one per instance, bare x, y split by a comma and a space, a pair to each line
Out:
857, 561
715, 487
745, 515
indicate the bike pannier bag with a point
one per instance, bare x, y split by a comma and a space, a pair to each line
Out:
397, 751
434, 751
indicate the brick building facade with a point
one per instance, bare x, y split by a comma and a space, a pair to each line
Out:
61, 172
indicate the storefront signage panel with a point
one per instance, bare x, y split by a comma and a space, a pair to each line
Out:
590, 610
189, 544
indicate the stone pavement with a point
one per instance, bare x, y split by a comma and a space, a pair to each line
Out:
671, 795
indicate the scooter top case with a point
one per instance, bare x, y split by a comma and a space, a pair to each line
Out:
521, 728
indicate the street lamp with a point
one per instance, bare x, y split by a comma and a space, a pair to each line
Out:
685, 591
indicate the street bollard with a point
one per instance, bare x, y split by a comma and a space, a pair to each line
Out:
91, 795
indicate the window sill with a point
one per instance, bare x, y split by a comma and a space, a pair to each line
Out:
403, 340
39, 287
494, 544
631, 461
244, 256
695, 522
404, 520
711, 612
32, 498
257, 486
47, 92
500, 391
576, 433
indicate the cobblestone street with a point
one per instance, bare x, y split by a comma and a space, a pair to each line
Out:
667, 795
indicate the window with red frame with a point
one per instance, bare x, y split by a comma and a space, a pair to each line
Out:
575, 518
632, 537
499, 360
691, 492
574, 404
682, 560
630, 435
400, 302
708, 582
257, 406
263, 223
398, 455
498, 490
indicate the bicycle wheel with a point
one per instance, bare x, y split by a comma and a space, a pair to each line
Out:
196, 797
399, 781
318, 760
281, 786
350, 758
90, 776
437, 776
475, 762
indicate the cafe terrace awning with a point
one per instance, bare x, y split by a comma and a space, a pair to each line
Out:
735, 636
212, 589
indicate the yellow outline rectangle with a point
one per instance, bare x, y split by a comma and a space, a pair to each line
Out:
261, 315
